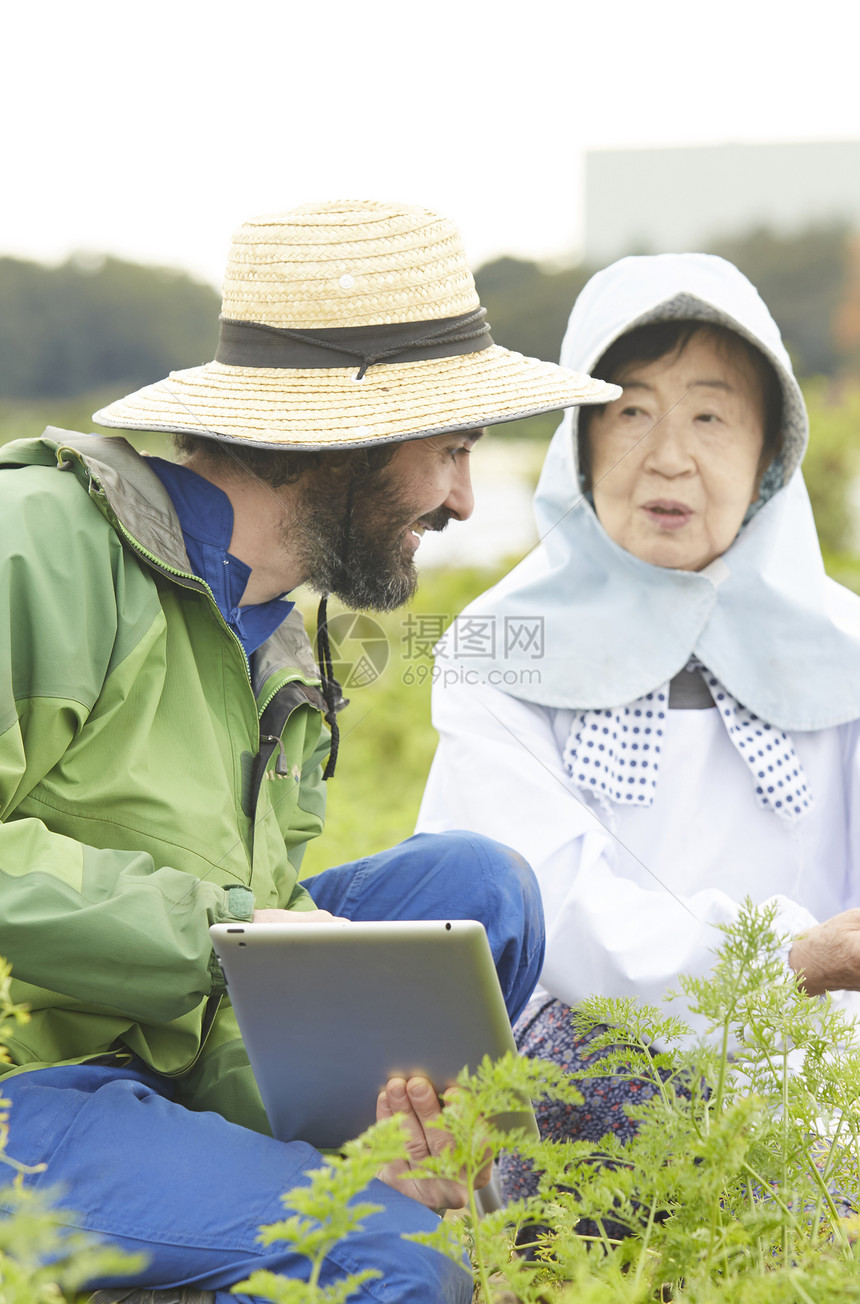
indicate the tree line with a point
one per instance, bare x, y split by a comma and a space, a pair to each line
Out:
810, 282
105, 324
97, 324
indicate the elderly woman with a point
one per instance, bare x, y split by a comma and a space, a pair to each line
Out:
659, 707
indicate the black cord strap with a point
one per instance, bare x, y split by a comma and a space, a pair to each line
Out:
330, 686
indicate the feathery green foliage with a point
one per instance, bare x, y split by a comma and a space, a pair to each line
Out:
740, 1184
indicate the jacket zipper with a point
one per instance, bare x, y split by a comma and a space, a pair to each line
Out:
197, 585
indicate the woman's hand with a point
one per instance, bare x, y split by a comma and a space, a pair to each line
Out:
418, 1104
828, 956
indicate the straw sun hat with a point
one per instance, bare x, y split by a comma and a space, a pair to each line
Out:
350, 323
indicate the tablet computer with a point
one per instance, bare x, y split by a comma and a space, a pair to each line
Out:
330, 1011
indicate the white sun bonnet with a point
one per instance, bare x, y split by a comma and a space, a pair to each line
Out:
781, 636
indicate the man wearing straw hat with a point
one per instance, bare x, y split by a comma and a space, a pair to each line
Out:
162, 732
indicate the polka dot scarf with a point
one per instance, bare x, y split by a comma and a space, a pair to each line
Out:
780, 783
615, 752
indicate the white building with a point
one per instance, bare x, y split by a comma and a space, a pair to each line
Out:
679, 199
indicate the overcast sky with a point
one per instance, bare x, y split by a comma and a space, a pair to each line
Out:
151, 130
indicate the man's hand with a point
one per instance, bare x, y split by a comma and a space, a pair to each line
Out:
828, 956
418, 1103
296, 917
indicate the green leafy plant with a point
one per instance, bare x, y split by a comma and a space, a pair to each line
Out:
740, 1183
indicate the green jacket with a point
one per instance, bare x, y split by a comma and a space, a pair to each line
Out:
138, 803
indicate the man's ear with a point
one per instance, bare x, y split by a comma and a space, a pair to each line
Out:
323, 465
339, 466
351, 465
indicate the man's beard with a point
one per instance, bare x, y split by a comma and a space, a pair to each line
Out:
351, 542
